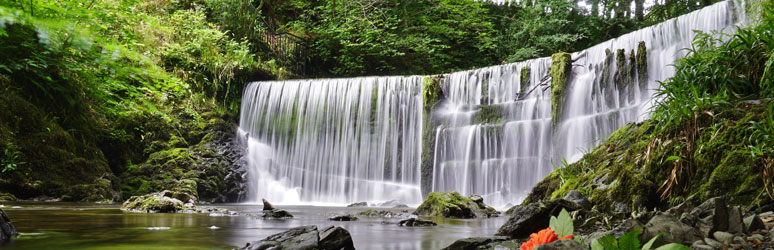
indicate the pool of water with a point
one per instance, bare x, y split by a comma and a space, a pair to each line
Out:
98, 226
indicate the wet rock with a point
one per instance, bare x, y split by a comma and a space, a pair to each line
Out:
476, 243
267, 205
709, 217
674, 231
392, 203
358, 204
723, 237
401, 206
305, 237
453, 205
533, 217
378, 213
753, 223
336, 238
477, 198
561, 245
7, 230
276, 214
346, 217
158, 202
735, 221
414, 222
576, 197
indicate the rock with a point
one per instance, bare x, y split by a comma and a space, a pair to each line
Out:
346, 217
561, 245
401, 206
735, 222
378, 213
674, 231
713, 243
336, 238
158, 202
699, 245
709, 217
358, 204
532, 218
476, 198
392, 203
723, 237
414, 222
453, 205
277, 214
621, 208
267, 205
305, 237
756, 237
7, 230
475, 243
753, 223
576, 197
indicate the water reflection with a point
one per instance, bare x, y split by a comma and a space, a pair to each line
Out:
96, 226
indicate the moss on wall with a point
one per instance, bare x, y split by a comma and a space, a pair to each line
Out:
432, 95
526, 74
561, 70
489, 114
642, 67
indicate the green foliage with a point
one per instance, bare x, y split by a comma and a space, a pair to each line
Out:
630, 241
562, 225
11, 160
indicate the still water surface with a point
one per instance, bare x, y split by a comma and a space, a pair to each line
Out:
96, 226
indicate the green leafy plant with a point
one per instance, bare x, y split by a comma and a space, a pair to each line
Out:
562, 225
10, 161
630, 241
565, 173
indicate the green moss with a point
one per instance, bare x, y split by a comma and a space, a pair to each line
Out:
449, 204
490, 114
731, 176
7, 197
561, 69
642, 65
524, 80
431, 96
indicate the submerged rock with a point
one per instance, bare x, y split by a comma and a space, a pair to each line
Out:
346, 217
414, 222
7, 230
358, 204
480, 243
454, 205
306, 237
159, 202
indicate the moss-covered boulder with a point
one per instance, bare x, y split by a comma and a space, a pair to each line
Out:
453, 205
161, 202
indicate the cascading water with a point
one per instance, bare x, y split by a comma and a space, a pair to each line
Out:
360, 139
333, 140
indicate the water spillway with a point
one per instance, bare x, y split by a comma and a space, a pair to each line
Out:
496, 131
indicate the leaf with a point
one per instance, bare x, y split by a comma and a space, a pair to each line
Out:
562, 225
672, 158
629, 241
609, 242
595, 245
673, 246
649, 244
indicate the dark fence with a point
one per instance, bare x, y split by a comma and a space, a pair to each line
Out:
289, 50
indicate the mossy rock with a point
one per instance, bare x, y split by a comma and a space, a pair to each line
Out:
153, 203
453, 205
561, 71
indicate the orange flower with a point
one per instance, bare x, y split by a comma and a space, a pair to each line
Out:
545, 236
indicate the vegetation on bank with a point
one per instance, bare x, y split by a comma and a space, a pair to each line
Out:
710, 134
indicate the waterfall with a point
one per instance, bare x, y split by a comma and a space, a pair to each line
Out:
360, 139
333, 140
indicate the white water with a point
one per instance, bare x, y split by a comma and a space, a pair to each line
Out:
338, 151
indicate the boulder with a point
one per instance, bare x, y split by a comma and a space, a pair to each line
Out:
358, 204
267, 205
345, 217
7, 230
392, 203
336, 238
561, 245
709, 217
300, 238
414, 222
276, 214
674, 231
478, 243
159, 202
453, 205
306, 237
532, 218
576, 197
753, 223
379, 213
735, 221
